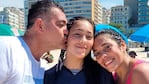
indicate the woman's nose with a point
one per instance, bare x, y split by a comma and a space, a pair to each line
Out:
104, 55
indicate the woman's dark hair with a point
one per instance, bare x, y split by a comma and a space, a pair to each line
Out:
40, 9
113, 35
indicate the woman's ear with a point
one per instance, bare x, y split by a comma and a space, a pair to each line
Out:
123, 45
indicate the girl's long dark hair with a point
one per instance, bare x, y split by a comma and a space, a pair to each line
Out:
95, 74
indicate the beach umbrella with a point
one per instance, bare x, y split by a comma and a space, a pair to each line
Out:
7, 30
141, 35
21, 32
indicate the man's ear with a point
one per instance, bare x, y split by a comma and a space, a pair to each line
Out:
39, 24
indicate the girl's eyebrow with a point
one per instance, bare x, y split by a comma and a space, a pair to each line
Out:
82, 30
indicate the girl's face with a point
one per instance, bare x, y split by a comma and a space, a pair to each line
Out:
107, 52
80, 39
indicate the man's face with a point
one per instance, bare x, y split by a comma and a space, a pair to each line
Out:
56, 29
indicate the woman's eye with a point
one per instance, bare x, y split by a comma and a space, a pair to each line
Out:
97, 54
107, 48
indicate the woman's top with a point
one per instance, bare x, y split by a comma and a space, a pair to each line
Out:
129, 78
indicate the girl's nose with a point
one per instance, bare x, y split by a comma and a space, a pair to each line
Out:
83, 39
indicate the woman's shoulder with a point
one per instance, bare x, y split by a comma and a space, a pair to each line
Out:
141, 67
141, 71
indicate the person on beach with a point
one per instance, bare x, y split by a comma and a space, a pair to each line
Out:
76, 65
109, 48
132, 54
20, 57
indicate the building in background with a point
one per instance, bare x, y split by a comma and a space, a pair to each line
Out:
143, 12
27, 6
106, 14
133, 5
87, 8
12, 16
121, 15
140, 11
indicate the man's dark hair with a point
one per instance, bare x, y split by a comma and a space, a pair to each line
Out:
40, 9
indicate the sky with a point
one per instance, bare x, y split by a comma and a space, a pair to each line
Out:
110, 3
12, 3
20, 3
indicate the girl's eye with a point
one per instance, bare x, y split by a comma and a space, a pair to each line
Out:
77, 34
89, 37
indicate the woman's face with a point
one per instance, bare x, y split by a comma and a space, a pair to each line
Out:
107, 52
80, 39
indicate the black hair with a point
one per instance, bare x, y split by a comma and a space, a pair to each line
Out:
40, 9
94, 73
70, 23
74, 19
113, 35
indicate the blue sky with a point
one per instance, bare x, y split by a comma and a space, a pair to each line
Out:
109, 3
20, 3
12, 3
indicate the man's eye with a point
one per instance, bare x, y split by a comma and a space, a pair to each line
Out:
61, 24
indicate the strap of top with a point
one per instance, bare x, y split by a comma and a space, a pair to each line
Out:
131, 71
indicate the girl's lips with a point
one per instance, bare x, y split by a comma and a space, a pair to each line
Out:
82, 47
